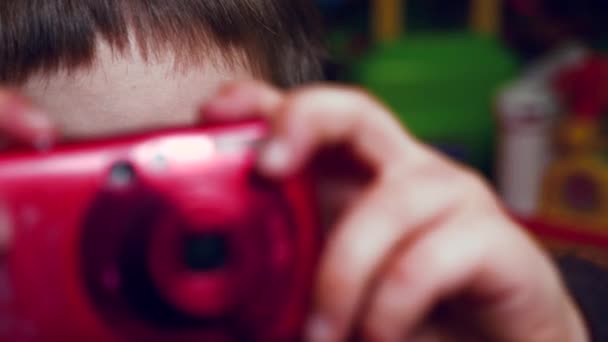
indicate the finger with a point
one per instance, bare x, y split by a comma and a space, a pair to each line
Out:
437, 265
19, 121
249, 100
241, 101
318, 116
478, 263
384, 219
310, 117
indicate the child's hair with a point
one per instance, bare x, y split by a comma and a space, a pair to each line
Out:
278, 39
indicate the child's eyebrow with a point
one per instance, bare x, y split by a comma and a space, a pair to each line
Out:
277, 39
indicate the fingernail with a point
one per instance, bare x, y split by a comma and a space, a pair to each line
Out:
275, 158
319, 329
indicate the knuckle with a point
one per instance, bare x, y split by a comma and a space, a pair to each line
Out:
360, 94
433, 259
343, 96
470, 189
450, 185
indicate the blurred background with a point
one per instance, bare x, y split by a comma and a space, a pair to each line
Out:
516, 89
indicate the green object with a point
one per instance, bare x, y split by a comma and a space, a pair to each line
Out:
441, 85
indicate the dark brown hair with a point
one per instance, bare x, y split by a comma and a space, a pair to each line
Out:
278, 39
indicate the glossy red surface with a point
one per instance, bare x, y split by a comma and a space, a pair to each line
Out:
99, 231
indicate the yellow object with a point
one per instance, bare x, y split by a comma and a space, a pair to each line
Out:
579, 135
575, 192
575, 189
485, 16
388, 20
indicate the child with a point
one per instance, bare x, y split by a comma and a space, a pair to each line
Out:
424, 253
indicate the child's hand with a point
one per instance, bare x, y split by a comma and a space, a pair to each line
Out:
21, 123
425, 253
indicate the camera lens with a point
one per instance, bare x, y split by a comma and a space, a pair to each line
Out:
205, 252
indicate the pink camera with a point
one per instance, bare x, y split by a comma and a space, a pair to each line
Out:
167, 236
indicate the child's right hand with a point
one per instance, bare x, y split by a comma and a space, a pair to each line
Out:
425, 252
20, 122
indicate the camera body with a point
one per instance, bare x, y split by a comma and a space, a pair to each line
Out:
165, 236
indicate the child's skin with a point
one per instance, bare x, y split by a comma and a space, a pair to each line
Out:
425, 230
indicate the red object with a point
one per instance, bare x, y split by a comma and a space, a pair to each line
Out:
584, 88
530, 8
564, 233
167, 236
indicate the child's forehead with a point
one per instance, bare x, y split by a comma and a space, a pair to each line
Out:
124, 93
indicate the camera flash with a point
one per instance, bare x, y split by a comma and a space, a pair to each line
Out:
163, 153
187, 149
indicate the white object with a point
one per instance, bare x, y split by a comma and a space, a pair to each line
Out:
528, 110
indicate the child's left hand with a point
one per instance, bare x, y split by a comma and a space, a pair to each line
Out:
425, 253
